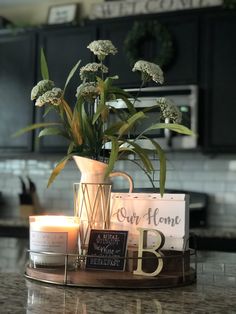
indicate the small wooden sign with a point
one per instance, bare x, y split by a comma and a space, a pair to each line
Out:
107, 249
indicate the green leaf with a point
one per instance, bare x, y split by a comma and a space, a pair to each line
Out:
121, 94
109, 80
87, 128
44, 66
162, 160
75, 126
171, 126
33, 127
119, 91
101, 107
113, 129
130, 122
59, 167
70, 148
72, 72
53, 131
113, 155
48, 109
143, 154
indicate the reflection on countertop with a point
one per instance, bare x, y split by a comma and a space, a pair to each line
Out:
14, 222
214, 292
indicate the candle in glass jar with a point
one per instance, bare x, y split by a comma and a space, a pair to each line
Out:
55, 234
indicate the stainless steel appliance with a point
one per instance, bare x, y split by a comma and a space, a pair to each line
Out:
184, 96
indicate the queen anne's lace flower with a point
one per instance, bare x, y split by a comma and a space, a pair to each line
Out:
91, 69
150, 71
52, 97
169, 110
102, 48
87, 90
41, 88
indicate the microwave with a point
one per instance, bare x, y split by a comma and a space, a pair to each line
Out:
184, 96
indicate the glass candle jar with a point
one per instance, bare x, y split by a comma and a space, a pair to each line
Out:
53, 234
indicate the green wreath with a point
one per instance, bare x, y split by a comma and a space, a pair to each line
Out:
149, 29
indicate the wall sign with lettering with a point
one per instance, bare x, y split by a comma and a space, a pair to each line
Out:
107, 249
110, 9
169, 214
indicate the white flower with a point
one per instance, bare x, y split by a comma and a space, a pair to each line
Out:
52, 97
169, 110
150, 71
91, 69
87, 90
102, 48
41, 88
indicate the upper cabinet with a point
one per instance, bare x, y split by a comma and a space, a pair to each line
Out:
17, 66
63, 48
170, 38
218, 82
197, 46
116, 31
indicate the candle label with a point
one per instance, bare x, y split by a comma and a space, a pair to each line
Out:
48, 241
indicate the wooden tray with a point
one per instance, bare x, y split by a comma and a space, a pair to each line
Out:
110, 279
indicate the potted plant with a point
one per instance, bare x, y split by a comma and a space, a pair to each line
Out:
86, 125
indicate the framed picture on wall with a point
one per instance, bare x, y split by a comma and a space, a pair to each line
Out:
60, 14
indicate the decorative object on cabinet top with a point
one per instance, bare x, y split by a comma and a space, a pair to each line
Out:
110, 9
144, 31
59, 14
87, 127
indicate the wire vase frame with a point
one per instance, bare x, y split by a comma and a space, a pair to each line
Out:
92, 206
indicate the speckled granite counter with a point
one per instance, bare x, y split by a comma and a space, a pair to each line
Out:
214, 292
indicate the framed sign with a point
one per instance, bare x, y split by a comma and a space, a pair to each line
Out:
107, 249
59, 14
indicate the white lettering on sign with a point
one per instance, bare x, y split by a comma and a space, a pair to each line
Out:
111, 9
169, 214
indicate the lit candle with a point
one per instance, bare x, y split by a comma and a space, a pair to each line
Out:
55, 234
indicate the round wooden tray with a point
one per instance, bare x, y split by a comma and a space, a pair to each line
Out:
110, 279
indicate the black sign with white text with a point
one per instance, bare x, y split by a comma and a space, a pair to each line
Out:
107, 249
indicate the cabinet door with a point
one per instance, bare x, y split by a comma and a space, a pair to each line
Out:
183, 29
63, 48
116, 31
219, 82
17, 69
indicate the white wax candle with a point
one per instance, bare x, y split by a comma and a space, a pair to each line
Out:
56, 234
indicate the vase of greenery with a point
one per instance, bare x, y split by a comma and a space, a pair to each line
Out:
86, 124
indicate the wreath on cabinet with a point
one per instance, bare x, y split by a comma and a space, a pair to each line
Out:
155, 31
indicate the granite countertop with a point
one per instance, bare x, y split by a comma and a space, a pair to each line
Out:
214, 292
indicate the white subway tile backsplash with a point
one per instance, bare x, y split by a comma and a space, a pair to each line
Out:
188, 170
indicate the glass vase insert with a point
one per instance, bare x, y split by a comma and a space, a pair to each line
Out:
92, 206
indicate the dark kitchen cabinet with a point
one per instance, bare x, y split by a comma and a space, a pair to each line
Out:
116, 31
218, 82
17, 65
63, 48
184, 33
204, 49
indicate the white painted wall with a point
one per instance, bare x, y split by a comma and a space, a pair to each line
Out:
35, 12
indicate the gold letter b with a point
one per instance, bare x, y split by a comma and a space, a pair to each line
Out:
143, 242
